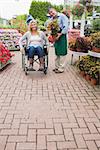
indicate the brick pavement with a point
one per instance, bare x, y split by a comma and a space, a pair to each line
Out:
52, 112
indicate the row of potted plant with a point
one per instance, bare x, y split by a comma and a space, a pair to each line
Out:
10, 38
84, 44
5, 55
90, 69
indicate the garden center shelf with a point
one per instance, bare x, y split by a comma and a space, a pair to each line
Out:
79, 54
10, 37
94, 54
4, 65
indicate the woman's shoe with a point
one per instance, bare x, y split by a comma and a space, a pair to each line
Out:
41, 69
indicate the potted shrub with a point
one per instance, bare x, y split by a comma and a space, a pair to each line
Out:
72, 44
83, 45
96, 42
94, 73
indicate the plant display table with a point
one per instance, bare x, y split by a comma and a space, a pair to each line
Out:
10, 37
94, 54
79, 54
4, 65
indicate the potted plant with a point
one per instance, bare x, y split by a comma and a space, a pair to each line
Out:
53, 29
78, 10
94, 73
96, 42
72, 44
83, 45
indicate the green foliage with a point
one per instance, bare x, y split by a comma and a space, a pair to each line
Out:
96, 25
97, 8
96, 39
78, 10
39, 9
8, 26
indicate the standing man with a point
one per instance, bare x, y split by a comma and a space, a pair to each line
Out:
61, 40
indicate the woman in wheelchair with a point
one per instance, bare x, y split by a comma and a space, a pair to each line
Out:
35, 40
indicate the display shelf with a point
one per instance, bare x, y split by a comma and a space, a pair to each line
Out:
79, 54
10, 37
94, 54
4, 65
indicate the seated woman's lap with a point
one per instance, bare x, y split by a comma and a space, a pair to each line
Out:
35, 51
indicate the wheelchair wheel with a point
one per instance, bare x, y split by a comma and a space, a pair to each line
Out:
45, 71
45, 64
26, 69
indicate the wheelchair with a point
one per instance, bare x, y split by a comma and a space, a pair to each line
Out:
25, 62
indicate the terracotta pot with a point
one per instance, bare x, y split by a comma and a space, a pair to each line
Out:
97, 50
93, 81
78, 50
52, 38
87, 77
82, 73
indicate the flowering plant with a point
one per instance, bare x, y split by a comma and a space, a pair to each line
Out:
53, 27
5, 54
78, 10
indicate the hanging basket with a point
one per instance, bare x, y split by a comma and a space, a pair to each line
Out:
78, 10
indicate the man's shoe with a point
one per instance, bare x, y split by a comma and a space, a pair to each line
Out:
31, 69
58, 71
55, 69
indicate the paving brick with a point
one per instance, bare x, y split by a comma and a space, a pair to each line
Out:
3, 140
9, 132
23, 129
51, 146
92, 128
51, 138
41, 142
64, 145
98, 143
16, 139
68, 135
80, 131
45, 131
91, 145
26, 146
80, 141
90, 137
58, 128
10, 146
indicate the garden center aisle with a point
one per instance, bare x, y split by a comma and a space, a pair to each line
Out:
48, 112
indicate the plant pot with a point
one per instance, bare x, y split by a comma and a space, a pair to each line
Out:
93, 81
78, 50
95, 49
87, 77
52, 38
72, 49
82, 73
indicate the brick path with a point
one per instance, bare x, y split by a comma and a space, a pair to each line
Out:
52, 112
